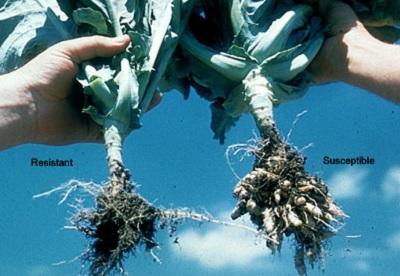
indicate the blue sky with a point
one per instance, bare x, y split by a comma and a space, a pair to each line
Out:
177, 164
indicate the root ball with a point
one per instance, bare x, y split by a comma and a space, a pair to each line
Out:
121, 221
293, 202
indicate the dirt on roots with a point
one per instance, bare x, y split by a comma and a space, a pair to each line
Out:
121, 221
282, 199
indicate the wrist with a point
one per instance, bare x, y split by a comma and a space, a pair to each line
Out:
17, 110
372, 65
360, 47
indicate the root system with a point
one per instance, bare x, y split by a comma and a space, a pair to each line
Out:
120, 222
283, 200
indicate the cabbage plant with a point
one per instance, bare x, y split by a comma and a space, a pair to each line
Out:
260, 62
117, 93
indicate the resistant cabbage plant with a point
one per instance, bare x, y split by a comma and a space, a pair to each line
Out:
244, 56
117, 92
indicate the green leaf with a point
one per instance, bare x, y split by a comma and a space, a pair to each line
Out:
140, 47
236, 16
276, 37
230, 66
91, 17
286, 65
236, 103
170, 22
27, 28
274, 43
98, 5
221, 121
154, 27
218, 84
94, 114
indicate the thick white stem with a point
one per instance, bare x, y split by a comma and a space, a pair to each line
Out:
118, 176
113, 142
114, 17
260, 98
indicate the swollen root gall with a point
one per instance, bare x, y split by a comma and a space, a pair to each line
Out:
282, 199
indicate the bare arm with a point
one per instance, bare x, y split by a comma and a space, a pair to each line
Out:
16, 112
353, 55
374, 65
38, 103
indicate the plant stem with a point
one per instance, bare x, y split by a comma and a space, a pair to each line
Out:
117, 174
231, 67
113, 143
114, 18
260, 99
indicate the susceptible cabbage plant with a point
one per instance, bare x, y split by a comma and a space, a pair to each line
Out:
252, 57
258, 62
245, 56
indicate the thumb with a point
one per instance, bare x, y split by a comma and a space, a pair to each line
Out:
84, 48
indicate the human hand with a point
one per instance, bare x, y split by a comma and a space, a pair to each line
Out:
50, 96
49, 80
344, 27
346, 34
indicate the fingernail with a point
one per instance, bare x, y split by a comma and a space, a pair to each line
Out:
120, 39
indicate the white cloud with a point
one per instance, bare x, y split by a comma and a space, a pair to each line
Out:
347, 183
359, 259
362, 266
221, 247
391, 184
353, 253
393, 241
39, 270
